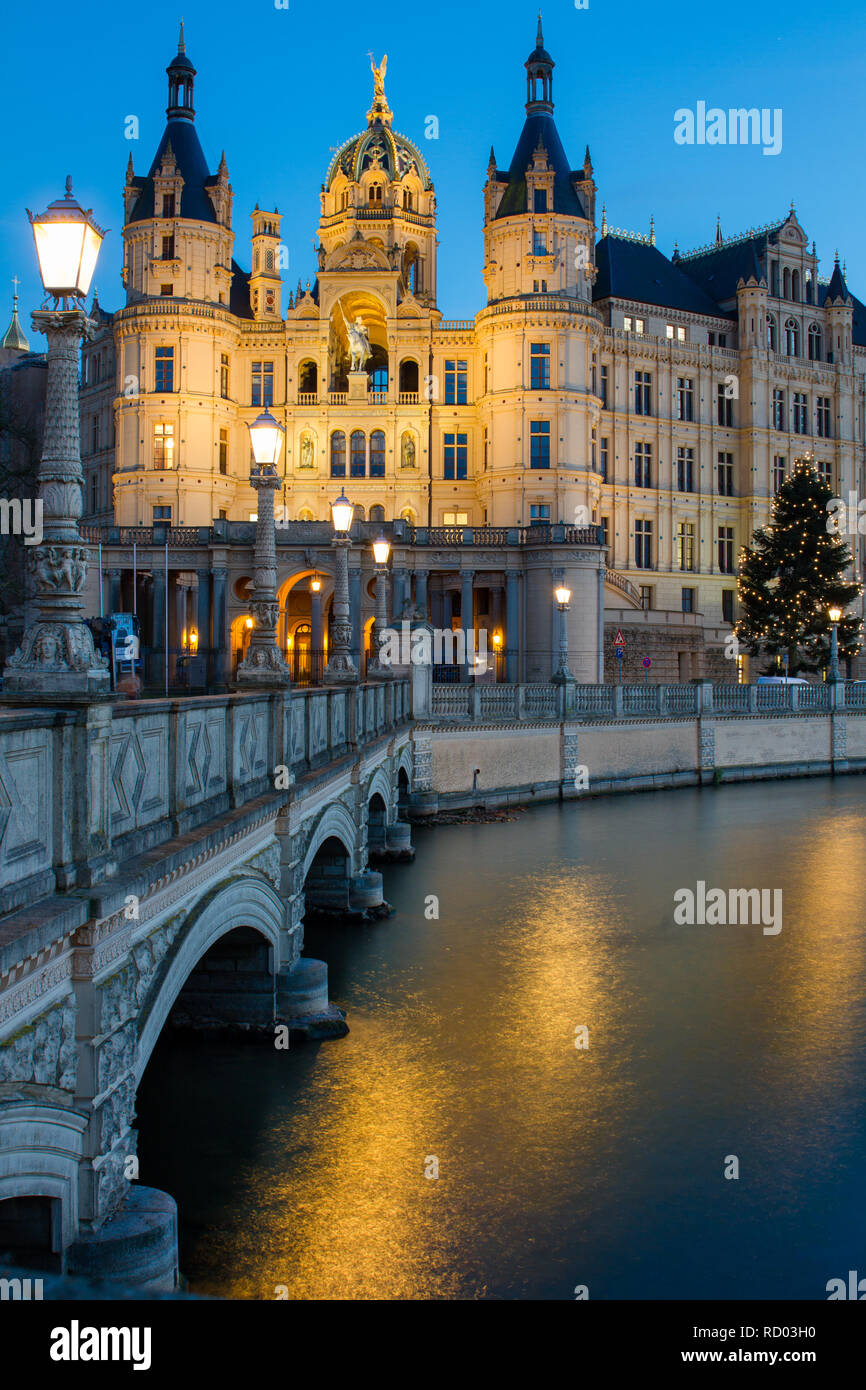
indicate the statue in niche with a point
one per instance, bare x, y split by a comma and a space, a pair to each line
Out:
359, 342
307, 450
408, 450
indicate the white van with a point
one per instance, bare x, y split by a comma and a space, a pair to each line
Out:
781, 680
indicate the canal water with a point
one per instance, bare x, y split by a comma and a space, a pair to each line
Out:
558, 1166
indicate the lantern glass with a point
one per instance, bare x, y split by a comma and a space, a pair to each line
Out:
67, 245
266, 436
835, 615
316, 585
381, 550
342, 512
563, 595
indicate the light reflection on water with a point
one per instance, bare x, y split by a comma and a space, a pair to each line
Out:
557, 1166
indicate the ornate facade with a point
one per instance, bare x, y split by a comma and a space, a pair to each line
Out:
602, 384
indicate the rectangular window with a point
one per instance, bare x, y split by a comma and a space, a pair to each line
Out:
162, 514
166, 291
539, 377
673, 332
168, 247
539, 514
168, 205
646, 597
486, 447
263, 384
642, 388
358, 454
93, 485
224, 375
685, 398
724, 406
778, 410
605, 530
778, 471
338, 454
539, 243
94, 435
822, 417
685, 545
824, 469
539, 200
163, 446
605, 454
688, 600
377, 454
164, 373
727, 605
455, 518
539, 450
685, 470
224, 451
643, 545
726, 475
456, 456
722, 340
222, 515
801, 413
726, 549
456, 382
643, 465
605, 376
594, 450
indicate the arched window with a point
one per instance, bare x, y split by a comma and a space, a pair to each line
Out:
255, 260
814, 343
412, 268
338, 454
269, 260
377, 454
408, 375
795, 286
375, 194
377, 513
407, 199
774, 279
771, 333
792, 338
358, 464
786, 283
308, 378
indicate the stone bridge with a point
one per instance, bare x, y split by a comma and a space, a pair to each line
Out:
156, 861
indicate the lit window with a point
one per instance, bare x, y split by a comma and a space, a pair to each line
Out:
163, 446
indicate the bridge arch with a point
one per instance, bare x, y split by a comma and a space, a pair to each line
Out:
335, 823
380, 784
245, 902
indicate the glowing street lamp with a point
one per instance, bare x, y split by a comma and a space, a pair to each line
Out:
835, 616
57, 660
340, 669
376, 667
67, 245
342, 512
266, 437
563, 599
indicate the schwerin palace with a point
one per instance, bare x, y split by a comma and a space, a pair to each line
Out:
612, 418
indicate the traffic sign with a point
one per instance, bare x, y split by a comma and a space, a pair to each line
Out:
620, 653
646, 663
619, 640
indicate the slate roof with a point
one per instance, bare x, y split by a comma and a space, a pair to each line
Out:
239, 294
192, 165
718, 270
638, 271
539, 125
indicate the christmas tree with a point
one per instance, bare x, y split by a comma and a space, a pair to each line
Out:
790, 576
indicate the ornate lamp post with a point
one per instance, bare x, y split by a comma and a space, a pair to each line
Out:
57, 659
340, 669
264, 664
835, 616
563, 598
376, 667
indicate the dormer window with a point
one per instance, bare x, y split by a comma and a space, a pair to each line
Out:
540, 200
168, 248
168, 205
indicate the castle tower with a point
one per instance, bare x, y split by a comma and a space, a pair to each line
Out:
265, 280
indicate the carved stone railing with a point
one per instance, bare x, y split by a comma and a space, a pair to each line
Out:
82, 790
619, 581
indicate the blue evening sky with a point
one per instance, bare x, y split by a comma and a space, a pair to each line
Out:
279, 88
